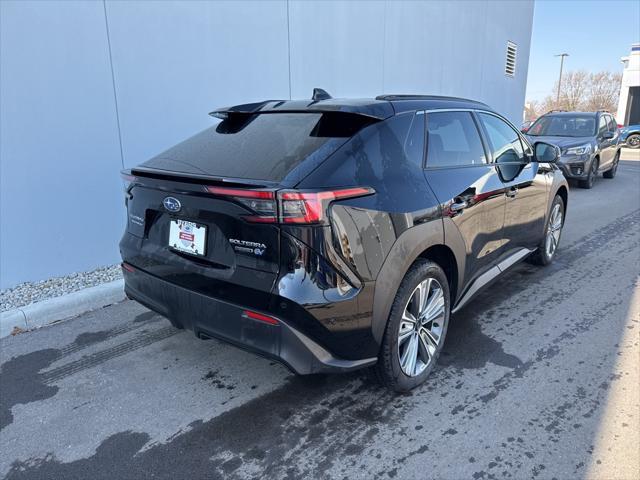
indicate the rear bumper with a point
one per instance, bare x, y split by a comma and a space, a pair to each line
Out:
209, 317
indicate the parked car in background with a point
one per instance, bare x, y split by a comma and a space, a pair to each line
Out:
630, 136
589, 143
333, 235
525, 126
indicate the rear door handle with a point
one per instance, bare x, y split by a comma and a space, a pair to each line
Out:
512, 192
458, 206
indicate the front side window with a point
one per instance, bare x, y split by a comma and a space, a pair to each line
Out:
453, 140
611, 124
506, 146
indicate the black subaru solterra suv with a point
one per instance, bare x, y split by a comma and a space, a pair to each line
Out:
333, 235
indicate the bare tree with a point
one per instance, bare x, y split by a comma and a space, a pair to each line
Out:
532, 110
583, 91
573, 90
603, 91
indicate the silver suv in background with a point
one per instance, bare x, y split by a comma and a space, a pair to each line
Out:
588, 141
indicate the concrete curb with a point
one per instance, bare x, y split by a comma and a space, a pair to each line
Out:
61, 308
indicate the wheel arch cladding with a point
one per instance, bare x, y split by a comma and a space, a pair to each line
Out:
564, 194
411, 245
445, 258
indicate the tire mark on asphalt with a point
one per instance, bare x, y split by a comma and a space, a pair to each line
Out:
102, 356
21, 380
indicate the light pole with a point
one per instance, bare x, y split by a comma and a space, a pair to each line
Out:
561, 55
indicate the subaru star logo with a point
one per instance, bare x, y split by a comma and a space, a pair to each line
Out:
172, 204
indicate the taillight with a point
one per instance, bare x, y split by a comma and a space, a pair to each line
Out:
128, 267
260, 317
288, 206
261, 202
310, 207
128, 179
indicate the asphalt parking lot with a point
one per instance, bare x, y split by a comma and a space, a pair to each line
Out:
539, 378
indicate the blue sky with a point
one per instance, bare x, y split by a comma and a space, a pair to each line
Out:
594, 33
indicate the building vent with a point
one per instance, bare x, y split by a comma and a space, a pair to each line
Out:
510, 65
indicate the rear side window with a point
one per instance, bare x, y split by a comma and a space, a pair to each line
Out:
414, 143
506, 146
602, 125
264, 146
453, 140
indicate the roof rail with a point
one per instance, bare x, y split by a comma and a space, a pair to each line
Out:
392, 97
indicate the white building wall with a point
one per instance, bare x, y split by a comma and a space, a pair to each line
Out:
630, 78
90, 87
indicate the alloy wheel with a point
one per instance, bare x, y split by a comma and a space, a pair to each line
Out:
553, 230
421, 327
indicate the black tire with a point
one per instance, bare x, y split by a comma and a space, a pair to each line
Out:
541, 256
388, 369
591, 178
633, 140
611, 173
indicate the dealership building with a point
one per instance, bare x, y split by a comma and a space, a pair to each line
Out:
89, 88
629, 101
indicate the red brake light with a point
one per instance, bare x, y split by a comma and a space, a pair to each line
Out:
241, 193
262, 202
288, 206
260, 317
310, 207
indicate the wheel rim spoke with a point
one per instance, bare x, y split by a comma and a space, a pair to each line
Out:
553, 231
410, 356
421, 327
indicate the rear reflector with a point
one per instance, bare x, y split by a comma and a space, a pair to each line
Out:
128, 267
260, 317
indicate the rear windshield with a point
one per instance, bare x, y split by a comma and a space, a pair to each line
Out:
263, 146
564, 126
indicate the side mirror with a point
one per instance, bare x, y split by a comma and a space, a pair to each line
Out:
546, 153
524, 129
608, 135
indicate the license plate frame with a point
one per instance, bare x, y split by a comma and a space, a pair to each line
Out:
187, 237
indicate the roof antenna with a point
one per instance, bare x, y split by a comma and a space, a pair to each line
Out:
320, 94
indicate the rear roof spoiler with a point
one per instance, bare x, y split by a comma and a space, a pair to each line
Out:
321, 102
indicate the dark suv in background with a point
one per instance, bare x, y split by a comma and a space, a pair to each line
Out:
589, 143
332, 234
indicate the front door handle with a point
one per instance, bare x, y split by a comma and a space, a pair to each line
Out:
512, 192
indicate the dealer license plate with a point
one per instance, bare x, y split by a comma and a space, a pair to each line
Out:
188, 237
